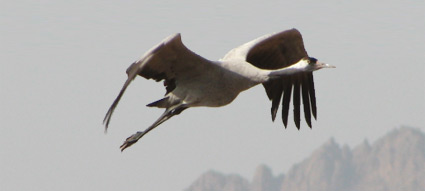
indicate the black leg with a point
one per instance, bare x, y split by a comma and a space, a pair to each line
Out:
168, 113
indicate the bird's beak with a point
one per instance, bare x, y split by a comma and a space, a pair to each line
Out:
323, 65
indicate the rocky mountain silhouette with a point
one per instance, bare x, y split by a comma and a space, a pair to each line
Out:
395, 162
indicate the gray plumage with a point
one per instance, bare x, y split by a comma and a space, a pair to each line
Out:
279, 61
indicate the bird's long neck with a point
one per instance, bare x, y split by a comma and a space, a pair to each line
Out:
295, 68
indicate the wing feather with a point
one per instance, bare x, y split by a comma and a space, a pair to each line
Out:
286, 100
276, 94
306, 99
170, 61
278, 51
296, 102
312, 94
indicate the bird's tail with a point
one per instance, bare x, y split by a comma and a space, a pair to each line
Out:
162, 103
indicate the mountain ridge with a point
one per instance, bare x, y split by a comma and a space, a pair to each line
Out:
392, 163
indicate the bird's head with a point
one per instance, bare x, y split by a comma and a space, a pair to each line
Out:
312, 64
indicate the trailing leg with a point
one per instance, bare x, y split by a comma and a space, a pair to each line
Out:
168, 113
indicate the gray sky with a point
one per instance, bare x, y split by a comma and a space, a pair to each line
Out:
63, 63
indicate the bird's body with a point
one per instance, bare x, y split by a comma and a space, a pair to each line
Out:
218, 88
193, 81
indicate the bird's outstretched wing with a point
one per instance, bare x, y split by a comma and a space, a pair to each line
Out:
169, 61
278, 51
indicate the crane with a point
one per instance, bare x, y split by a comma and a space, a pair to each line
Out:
278, 61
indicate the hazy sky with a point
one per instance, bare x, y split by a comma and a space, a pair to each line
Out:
63, 63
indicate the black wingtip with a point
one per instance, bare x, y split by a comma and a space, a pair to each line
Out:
296, 104
273, 111
106, 130
285, 103
312, 94
298, 126
285, 124
111, 109
107, 119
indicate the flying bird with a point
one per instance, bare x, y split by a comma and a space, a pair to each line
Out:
278, 61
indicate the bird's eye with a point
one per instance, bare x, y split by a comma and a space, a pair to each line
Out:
312, 60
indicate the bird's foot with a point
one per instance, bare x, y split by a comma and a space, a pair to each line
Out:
131, 140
